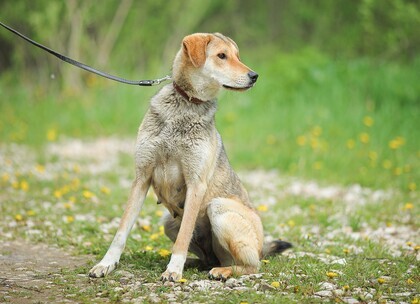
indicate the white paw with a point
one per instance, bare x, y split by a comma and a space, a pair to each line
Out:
102, 269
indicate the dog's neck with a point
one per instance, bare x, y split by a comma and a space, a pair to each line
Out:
186, 96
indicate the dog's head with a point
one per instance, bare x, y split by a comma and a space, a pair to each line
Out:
212, 60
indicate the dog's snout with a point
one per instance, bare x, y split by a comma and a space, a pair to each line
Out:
253, 76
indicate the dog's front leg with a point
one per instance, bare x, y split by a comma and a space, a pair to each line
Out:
194, 199
135, 202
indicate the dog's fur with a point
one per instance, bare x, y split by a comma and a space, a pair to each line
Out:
180, 153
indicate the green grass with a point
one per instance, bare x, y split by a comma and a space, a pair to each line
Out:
311, 117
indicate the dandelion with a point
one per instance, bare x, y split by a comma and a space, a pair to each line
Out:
30, 213
161, 230
148, 248
346, 251
408, 206
368, 121
301, 140
105, 190
412, 186
417, 248
275, 284
291, 223
396, 143
154, 236
350, 144
52, 135
364, 138
69, 219
182, 281
24, 185
327, 251
262, 208
410, 282
68, 205
58, 194
159, 213
18, 217
164, 253
381, 280
5, 177
265, 261
40, 168
88, 194
332, 274
346, 287
146, 228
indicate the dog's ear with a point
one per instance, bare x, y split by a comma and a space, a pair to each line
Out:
195, 48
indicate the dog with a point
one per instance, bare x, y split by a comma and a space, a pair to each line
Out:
180, 154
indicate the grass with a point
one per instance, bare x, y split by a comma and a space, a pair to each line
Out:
309, 117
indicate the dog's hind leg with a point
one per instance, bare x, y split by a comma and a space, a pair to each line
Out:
237, 238
135, 202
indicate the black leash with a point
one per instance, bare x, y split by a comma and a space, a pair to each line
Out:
86, 67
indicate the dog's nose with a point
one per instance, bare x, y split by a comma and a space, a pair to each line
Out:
253, 76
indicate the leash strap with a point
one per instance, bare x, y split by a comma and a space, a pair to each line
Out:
86, 67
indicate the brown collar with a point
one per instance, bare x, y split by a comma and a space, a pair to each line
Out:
185, 95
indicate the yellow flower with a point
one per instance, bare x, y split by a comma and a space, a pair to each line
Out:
58, 193
412, 186
350, 144
415, 301
30, 213
182, 281
146, 228
24, 185
332, 274
346, 287
265, 261
72, 199
346, 251
262, 208
87, 194
301, 140
69, 219
396, 143
18, 217
40, 168
154, 236
327, 251
164, 253
410, 282
417, 248
368, 121
381, 280
275, 284
105, 190
161, 230
364, 138
158, 213
52, 134
148, 248
408, 206
291, 223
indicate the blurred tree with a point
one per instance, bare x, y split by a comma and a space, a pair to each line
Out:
141, 37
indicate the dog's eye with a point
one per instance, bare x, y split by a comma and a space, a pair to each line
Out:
221, 55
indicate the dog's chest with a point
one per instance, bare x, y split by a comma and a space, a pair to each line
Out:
169, 185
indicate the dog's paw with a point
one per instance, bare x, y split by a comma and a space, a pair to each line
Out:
102, 269
171, 276
220, 273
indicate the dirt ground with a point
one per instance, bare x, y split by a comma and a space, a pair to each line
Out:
28, 272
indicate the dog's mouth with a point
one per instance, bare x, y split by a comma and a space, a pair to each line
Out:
238, 88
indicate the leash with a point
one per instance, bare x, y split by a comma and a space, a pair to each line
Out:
86, 67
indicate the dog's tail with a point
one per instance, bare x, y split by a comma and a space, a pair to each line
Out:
275, 247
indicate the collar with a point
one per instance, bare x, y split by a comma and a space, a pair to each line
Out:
185, 95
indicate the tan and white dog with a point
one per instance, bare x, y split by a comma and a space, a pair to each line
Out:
180, 153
